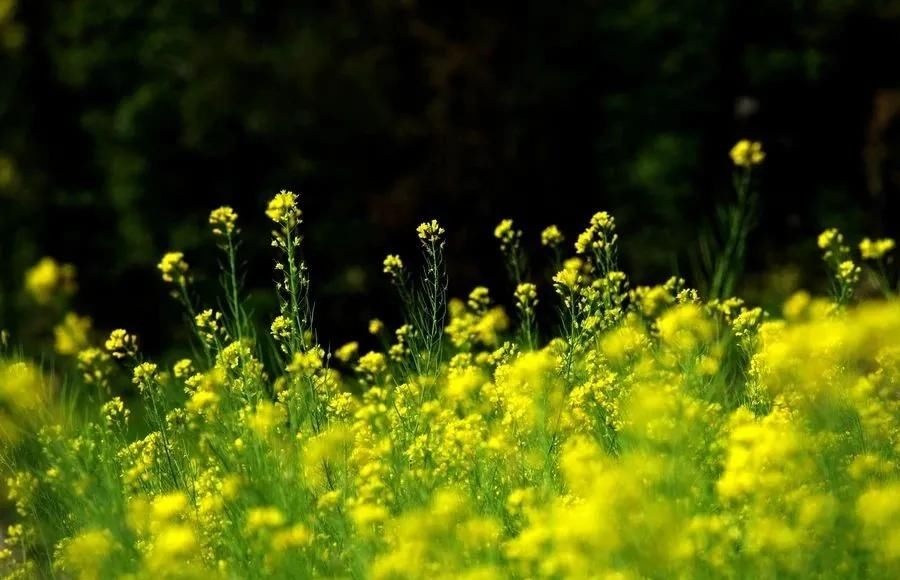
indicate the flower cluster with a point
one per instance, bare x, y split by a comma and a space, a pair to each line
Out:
393, 267
173, 267
48, 280
223, 221
551, 237
121, 344
430, 232
283, 209
875, 249
747, 153
655, 434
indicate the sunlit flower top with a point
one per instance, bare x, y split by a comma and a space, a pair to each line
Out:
283, 208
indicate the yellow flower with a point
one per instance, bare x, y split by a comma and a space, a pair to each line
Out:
849, 272
121, 344
371, 363
507, 234
209, 324
747, 153
829, 238
479, 299
366, 515
114, 412
295, 536
600, 234
22, 390
526, 296
430, 231
570, 276
283, 208
48, 279
347, 352
796, 305
262, 518
173, 267
376, 326
171, 547
875, 249
145, 375
83, 556
71, 335
183, 368
551, 237
202, 403
168, 506
306, 362
223, 220
265, 418
393, 266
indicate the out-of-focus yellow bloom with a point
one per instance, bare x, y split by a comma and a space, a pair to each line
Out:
71, 335
265, 418
376, 326
22, 393
551, 237
347, 352
308, 362
264, 518
849, 272
168, 506
49, 279
295, 536
796, 305
372, 364
746, 153
875, 249
84, 555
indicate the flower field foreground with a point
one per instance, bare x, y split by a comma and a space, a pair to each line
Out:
658, 434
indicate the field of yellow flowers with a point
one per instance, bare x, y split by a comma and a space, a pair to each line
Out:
653, 433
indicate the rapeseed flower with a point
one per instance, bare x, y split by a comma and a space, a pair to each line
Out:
121, 344
657, 433
223, 220
72, 334
430, 232
283, 208
875, 249
48, 279
173, 267
551, 237
746, 153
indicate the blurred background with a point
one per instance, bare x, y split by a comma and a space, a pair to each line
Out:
123, 122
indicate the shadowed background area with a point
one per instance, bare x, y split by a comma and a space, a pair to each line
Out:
122, 123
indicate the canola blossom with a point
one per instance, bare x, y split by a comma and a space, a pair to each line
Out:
652, 433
